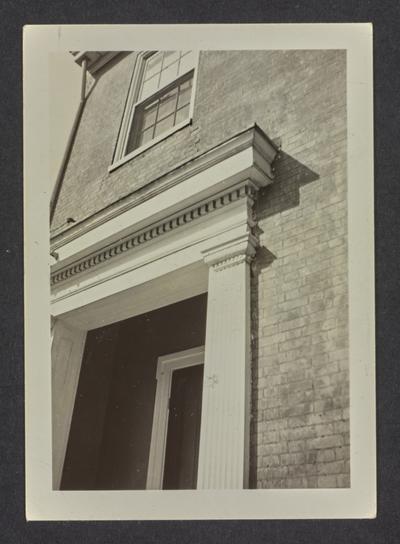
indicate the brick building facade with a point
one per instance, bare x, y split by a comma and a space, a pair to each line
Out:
292, 104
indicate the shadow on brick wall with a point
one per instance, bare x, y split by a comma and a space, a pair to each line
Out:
264, 258
283, 194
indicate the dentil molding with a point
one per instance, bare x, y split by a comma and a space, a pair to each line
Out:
129, 243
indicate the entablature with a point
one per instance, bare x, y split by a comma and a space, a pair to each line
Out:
249, 154
208, 200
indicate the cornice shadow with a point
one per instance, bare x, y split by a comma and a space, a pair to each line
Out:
263, 259
284, 193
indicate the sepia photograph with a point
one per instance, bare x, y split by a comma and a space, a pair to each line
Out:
207, 310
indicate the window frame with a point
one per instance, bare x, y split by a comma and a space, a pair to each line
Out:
133, 103
165, 367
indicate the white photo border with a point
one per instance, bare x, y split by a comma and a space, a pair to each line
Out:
359, 501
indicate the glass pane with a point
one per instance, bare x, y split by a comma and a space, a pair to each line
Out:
153, 65
149, 115
170, 57
167, 104
145, 136
185, 92
132, 143
150, 86
187, 63
182, 114
169, 74
164, 125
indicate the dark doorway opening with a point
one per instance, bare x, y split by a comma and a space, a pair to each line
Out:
183, 435
110, 435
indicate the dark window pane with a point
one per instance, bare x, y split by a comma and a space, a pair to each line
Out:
164, 125
187, 84
167, 104
149, 115
146, 136
133, 138
182, 114
185, 92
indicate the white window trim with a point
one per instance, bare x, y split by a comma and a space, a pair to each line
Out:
132, 102
165, 366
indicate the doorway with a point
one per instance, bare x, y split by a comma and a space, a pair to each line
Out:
175, 436
183, 433
109, 445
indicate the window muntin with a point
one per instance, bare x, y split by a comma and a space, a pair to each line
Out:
156, 73
161, 112
159, 101
162, 68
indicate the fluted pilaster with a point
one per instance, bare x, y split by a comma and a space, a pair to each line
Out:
224, 439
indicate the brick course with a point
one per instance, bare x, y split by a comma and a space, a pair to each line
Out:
300, 334
300, 374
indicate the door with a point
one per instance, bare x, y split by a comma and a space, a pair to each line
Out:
174, 448
183, 434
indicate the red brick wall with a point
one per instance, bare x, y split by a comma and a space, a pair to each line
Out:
300, 434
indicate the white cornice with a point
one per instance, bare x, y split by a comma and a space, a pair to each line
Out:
152, 232
263, 150
124, 244
95, 59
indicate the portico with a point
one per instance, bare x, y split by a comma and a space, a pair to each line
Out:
188, 233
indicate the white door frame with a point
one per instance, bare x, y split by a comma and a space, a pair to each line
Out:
165, 367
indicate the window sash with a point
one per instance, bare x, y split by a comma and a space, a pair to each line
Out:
188, 64
151, 117
172, 65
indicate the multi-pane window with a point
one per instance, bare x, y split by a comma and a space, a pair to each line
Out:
163, 96
163, 67
160, 113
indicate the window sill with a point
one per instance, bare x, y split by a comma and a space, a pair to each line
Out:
150, 144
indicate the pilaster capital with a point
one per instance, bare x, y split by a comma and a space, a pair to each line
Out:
231, 253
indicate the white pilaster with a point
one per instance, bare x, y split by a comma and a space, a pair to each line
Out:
224, 438
67, 352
